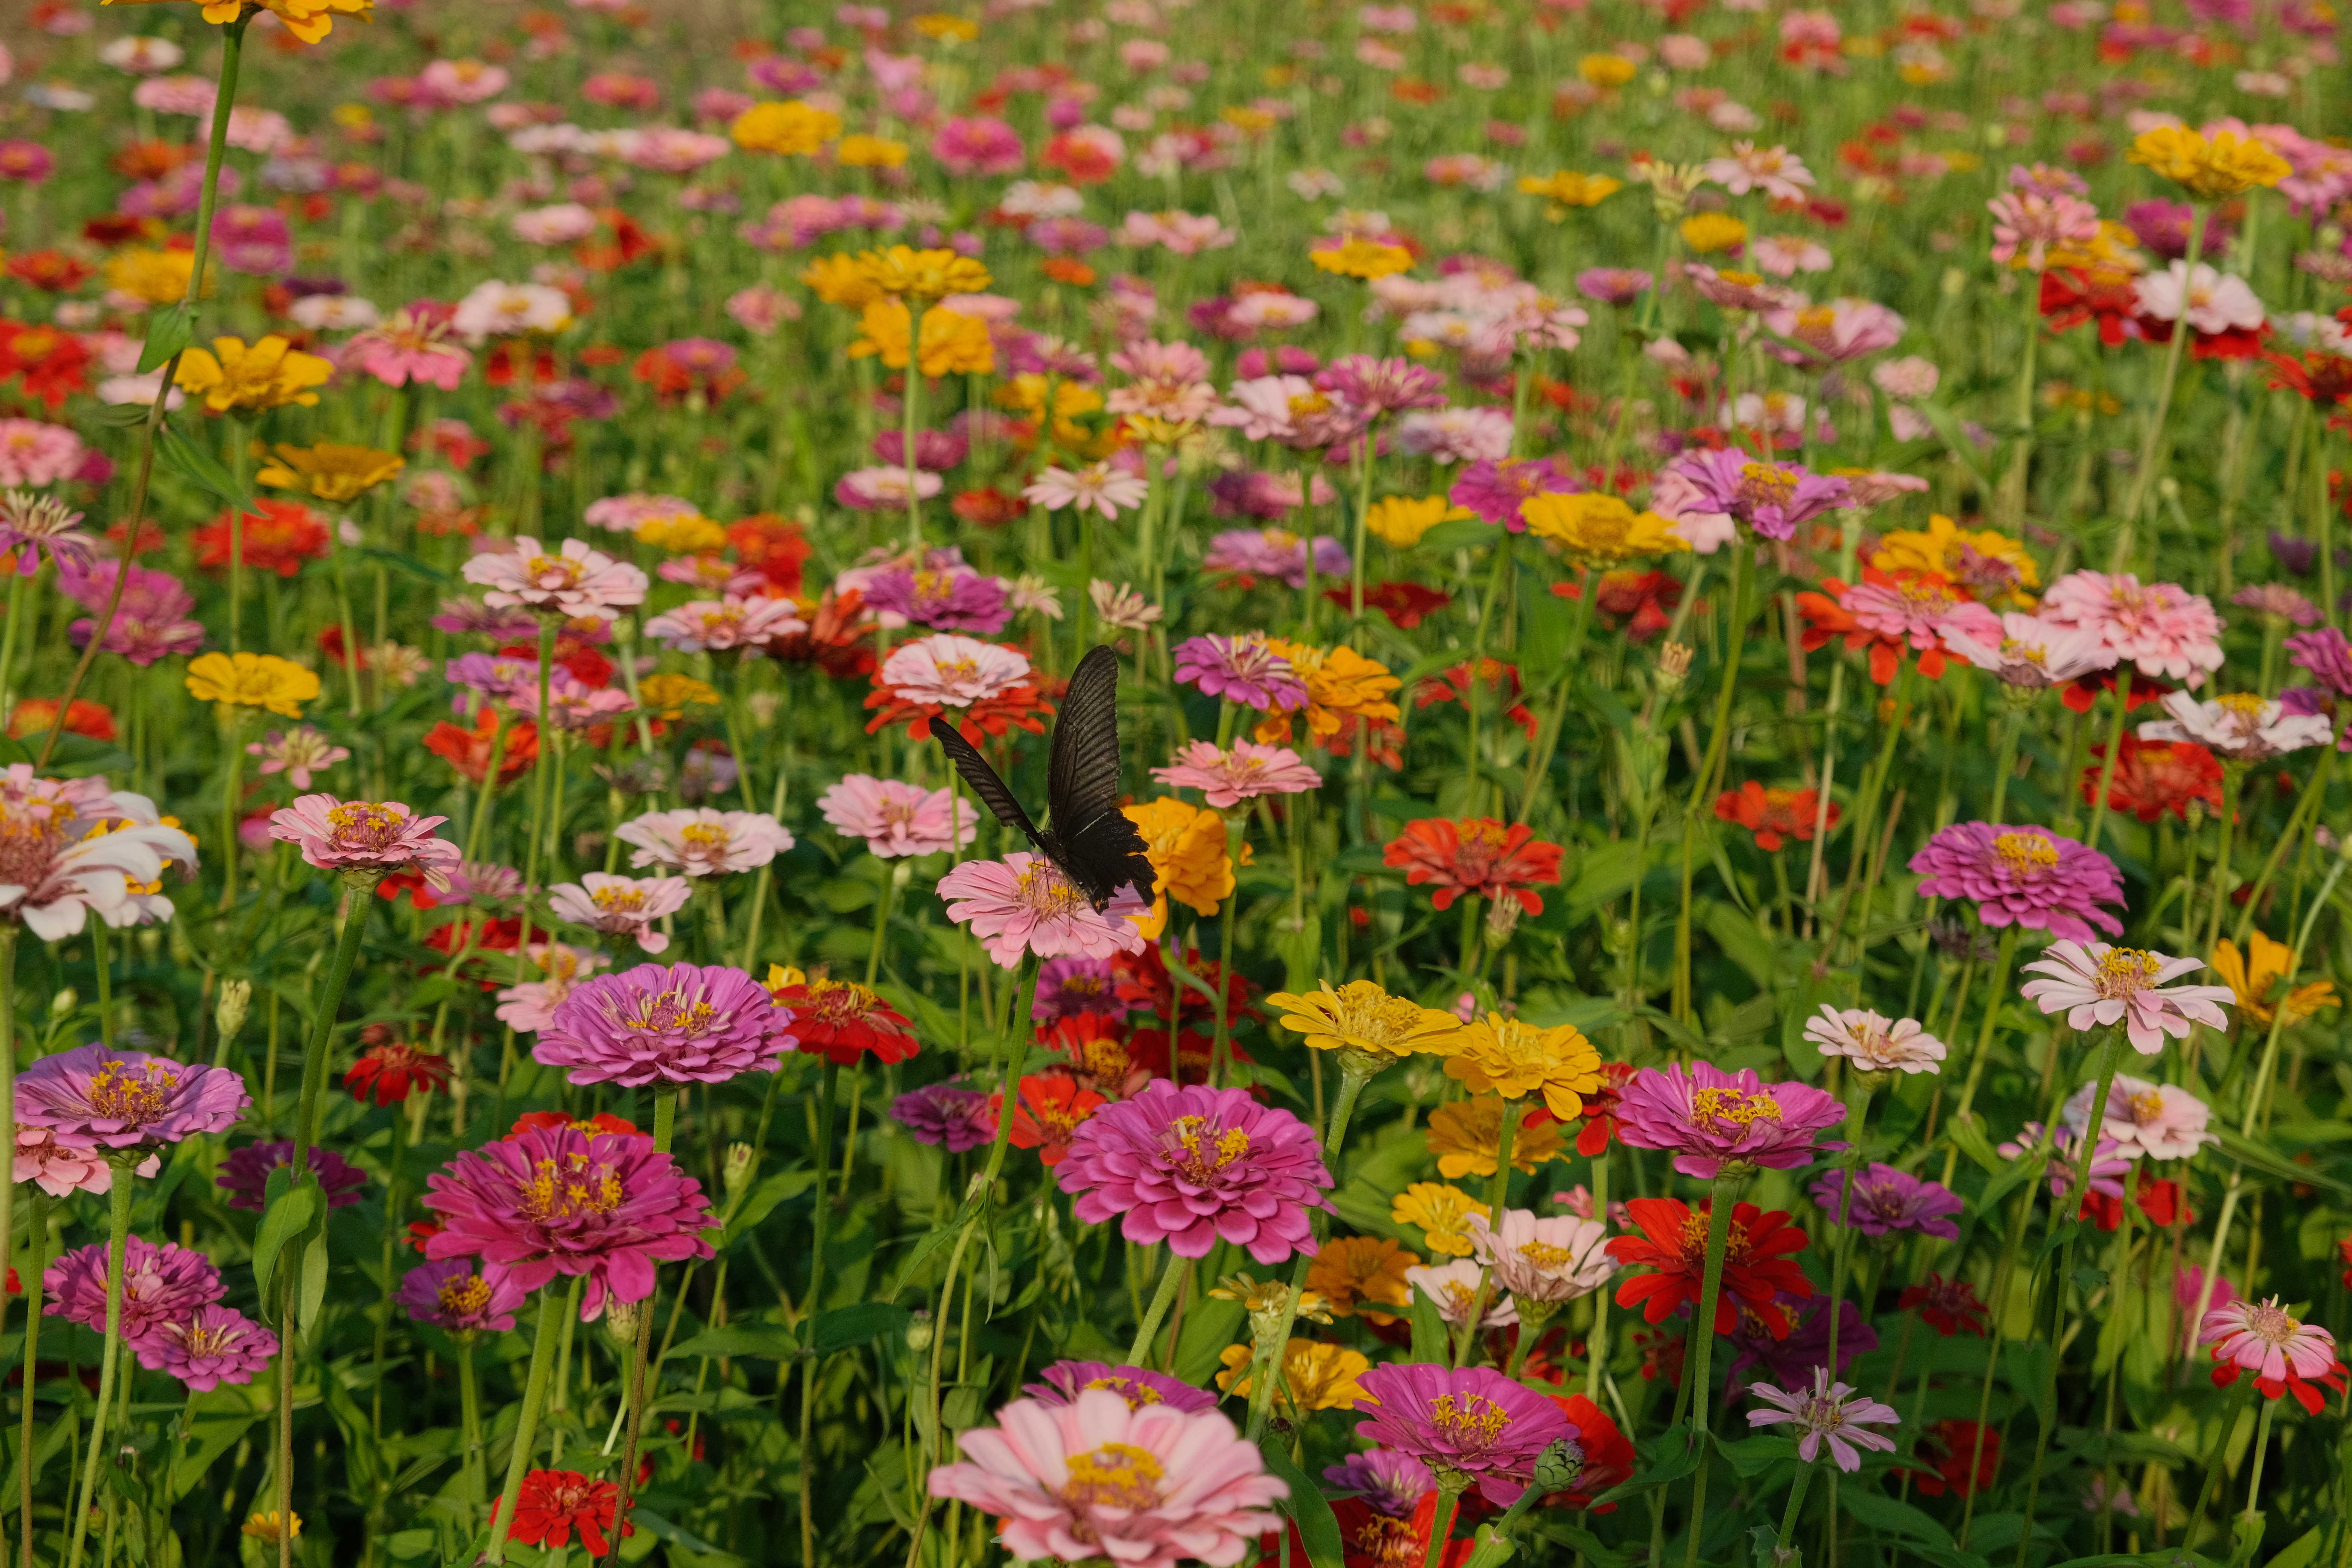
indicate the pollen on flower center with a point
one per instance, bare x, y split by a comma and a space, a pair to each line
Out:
131, 1095
2126, 970
710, 837
465, 1296
1470, 1418
577, 1189
2025, 854
1730, 1105
1204, 1157
666, 1012
362, 825
2271, 1323
1763, 484
1135, 1393
2146, 1106
1049, 893
1116, 1475
1543, 1255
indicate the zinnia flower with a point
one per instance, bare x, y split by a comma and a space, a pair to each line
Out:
1886, 1200
1354, 1273
252, 680
2262, 968
1829, 1413
454, 1295
947, 1116
245, 1174
1195, 1166
554, 1503
1711, 1118
2160, 627
898, 819
701, 842
1149, 1487
166, 1284
365, 839
1544, 1262
2285, 1355
551, 1201
840, 1019
1516, 1060
1703, 493
1474, 855
2022, 876
1757, 1262
1774, 815
1064, 1381
1470, 1424
1873, 1042
217, 1344
2238, 728
575, 582
1240, 669
1227, 778
127, 1101
1025, 903
2161, 1120
71, 847
620, 906
2100, 984
683, 1023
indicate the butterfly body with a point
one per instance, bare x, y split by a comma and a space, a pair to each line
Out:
1089, 839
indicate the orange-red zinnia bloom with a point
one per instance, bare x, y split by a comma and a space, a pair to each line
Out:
1757, 1261
1774, 815
1474, 855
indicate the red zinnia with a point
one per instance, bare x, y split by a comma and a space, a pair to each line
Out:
987, 508
469, 751
1947, 1306
2304, 1389
34, 716
2070, 297
541, 1121
1502, 683
51, 271
1608, 1455
845, 1021
1774, 815
2080, 693
1757, 1261
1474, 855
51, 362
1949, 1445
839, 640
1405, 604
554, 1503
1601, 1110
771, 546
1051, 1106
278, 537
390, 1072
1094, 1045
2153, 777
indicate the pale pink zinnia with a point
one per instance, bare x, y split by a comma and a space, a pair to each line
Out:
526, 1008
620, 906
709, 625
701, 842
896, 819
2266, 1340
1025, 903
2162, 627
2238, 728
2103, 985
62, 1169
2030, 654
68, 846
1097, 486
1228, 778
370, 837
953, 671
412, 346
1147, 1487
2161, 1120
572, 582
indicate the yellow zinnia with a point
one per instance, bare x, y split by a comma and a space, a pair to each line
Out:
309, 20
946, 28
1568, 189
1606, 71
2271, 962
839, 280
252, 680
1516, 1060
683, 534
789, 127
1357, 256
329, 470
151, 277
1353, 1273
1441, 1212
266, 1524
270, 373
863, 151
1707, 233
1362, 1016
1599, 530
952, 343
1401, 520
1466, 1136
1946, 547
926, 275
668, 697
1313, 1376
2208, 167
1186, 846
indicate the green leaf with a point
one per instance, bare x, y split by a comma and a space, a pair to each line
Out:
311, 1292
1768, 1548
855, 1324
1462, 533
767, 1342
762, 1202
288, 1216
1318, 1529
409, 565
1879, 1511
198, 467
2303, 1551
2270, 1163
1430, 1340
1751, 1457
1674, 1455
935, 1241
169, 330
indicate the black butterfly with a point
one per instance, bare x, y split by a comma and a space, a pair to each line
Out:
1090, 839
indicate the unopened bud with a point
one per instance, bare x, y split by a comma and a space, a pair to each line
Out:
621, 1320
919, 1333
229, 1012
1558, 1465
64, 1002
762, 706
1673, 666
742, 1162
1502, 920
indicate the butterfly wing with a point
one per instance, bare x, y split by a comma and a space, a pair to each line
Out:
1099, 847
990, 789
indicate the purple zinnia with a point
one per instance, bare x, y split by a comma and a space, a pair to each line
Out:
471, 617
1240, 669
1140, 1386
1392, 1484
957, 599
946, 1114
156, 619
2297, 555
1496, 488
215, 1345
1274, 553
936, 451
1803, 1344
2025, 876
1885, 1199
93, 1098
453, 1294
161, 1284
554, 1201
2327, 655
679, 1023
1732, 487
2163, 226
1195, 1166
1710, 1118
1828, 1413
1471, 1422
1068, 986
245, 1173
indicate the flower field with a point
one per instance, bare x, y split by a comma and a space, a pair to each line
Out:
1389, 785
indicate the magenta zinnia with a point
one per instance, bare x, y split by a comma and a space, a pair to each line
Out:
1469, 1423
1710, 1118
1195, 1166
166, 1284
554, 1201
91, 1097
680, 1022
2022, 876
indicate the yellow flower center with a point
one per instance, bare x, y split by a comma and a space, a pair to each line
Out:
2126, 970
665, 1011
1730, 1105
1543, 1255
465, 1296
133, 1096
1049, 893
1202, 1156
1135, 1393
1116, 1475
362, 825
574, 1188
2025, 854
1763, 484
707, 837
618, 900
1470, 1418
2146, 1107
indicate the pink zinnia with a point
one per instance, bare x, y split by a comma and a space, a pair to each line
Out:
526, 1008
1245, 773
62, 1169
556, 1201
2265, 1339
412, 346
701, 842
1703, 489
980, 145
68, 846
2161, 1120
1195, 1166
2099, 984
2030, 653
36, 453
687, 1022
217, 1344
953, 671
573, 582
369, 837
896, 819
1832, 1413
1240, 669
1710, 1118
709, 625
161, 1284
1470, 1422
92, 1098
1149, 1487
2162, 627
1025, 903
2022, 876
619, 906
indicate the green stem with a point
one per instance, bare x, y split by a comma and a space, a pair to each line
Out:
36, 1238
1716, 744
1722, 1196
2143, 475
117, 1234
1171, 1276
2250, 1538
1354, 1076
2114, 750
1597, 1341
526, 1438
1497, 1195
358, 897
470, 1401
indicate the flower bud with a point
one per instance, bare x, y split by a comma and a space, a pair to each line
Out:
229, 1012
64, 1002
1558, 1465
1673, 666
621, 1320
762, 707
742, 1162
919, 1333
1502, 920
